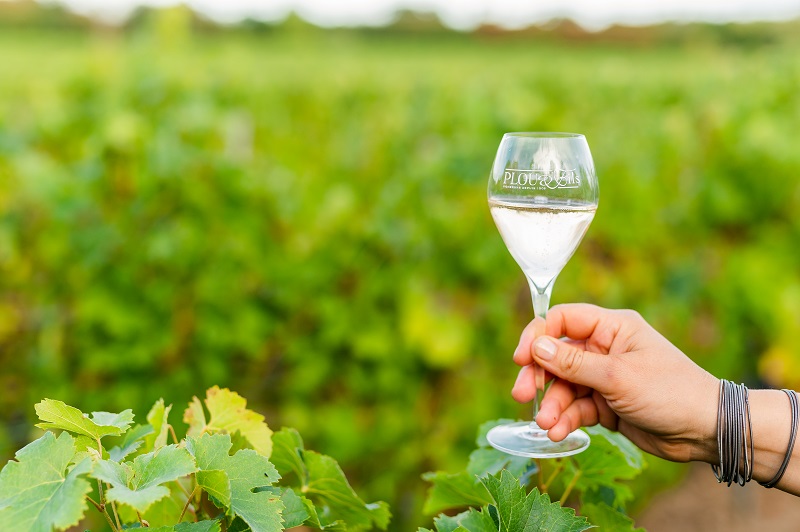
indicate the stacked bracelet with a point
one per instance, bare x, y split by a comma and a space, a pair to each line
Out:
793, 403
733, 432
735, 435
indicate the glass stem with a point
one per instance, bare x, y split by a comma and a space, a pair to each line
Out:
541, 302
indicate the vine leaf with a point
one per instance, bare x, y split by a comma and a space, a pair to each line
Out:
323, 482
328, 487
130, 443
607, 518
609, 459
201, 526
37, 492
295, 511
315, 522
228, 413
518, 511
470, 521
287, 453
158, 419
244, 471
454, 490
140, 484
59, 415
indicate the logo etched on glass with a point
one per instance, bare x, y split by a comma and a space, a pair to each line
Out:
540, 179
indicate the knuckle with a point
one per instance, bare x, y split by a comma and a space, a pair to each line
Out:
572, 360
632, 315
611, 372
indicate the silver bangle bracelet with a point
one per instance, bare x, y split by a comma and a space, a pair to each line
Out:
734, 435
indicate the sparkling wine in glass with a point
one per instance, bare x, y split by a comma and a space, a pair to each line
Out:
543, 194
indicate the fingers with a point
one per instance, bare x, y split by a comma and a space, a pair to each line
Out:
576, 365
524, 389
582, 412
522, 354
575, 320
557, 399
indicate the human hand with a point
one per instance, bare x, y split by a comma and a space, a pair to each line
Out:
613, 368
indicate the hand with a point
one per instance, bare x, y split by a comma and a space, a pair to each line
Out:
616, 370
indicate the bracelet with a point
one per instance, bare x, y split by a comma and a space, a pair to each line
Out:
733, 432
793, 403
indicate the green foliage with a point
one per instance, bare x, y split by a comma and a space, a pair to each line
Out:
322, 481
519, 511
504, 504
195, 485
141, 483
605, 517
57, 415
228, 413
303, 218
230, 480
38, 491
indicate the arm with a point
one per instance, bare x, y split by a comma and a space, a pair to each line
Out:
618, 371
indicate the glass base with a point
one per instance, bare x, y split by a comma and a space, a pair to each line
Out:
524, 438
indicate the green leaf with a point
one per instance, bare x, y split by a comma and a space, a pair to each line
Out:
314, 520
609, 459
489, 461
605, 517
287, 453
228, 414
245, 471
131, 442
328, 487
59, 415
202, 526
37, 492
470, 521
216, 483
323, 481
454, 490
158, 419
141, 484
211, 454
295, 512
163, 512
632, 455
475, 521
518, 511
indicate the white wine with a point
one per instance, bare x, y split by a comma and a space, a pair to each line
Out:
542, 236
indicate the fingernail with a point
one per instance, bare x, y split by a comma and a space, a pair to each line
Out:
545, 348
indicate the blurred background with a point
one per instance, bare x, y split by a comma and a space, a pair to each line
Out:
288, 199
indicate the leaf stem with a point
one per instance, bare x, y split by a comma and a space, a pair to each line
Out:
539, 475
116, 515
102, 496
183, 490
552, 477
102, 511
172, 431
569, 487
186, 506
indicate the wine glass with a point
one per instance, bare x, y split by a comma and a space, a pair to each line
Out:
543, 194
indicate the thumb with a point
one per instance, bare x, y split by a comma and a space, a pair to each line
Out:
571, 363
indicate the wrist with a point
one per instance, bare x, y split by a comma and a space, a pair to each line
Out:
704, 438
